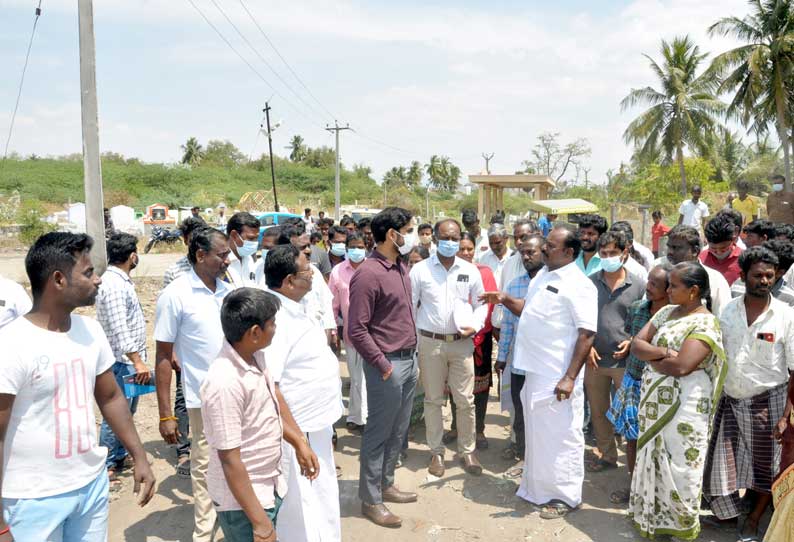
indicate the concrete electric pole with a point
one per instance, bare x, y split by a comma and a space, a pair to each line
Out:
336, 128
92, 168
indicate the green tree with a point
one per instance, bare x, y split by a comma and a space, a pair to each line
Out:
192, 152
682, 113
414, 174
435, 171
222, 153
320, 157
297, 149
760, 71
396, 176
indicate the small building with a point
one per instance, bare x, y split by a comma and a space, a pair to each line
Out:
491, 190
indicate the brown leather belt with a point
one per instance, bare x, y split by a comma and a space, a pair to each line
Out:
446, 337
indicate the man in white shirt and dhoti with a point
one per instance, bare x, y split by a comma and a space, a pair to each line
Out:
557, 325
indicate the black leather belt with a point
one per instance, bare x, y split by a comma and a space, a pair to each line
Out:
446, 337
405, 353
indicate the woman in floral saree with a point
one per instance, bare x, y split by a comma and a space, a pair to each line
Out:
681, 382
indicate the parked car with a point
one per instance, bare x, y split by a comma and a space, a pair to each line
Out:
268, 220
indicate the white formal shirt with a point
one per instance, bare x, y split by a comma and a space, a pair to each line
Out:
14, 301
318, 302
241, 271
558, 304
437, 294
761, 355
693, 213
513, 268
303, 365
636, 269
646, 253
496, 264
189, 316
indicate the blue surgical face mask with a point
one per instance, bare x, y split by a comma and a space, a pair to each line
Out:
338, 249
612, 264
248, 248
448, 248
356, 255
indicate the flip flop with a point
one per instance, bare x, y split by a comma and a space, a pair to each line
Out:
555, 510
621, 496
183, 466
600, 466
513, 473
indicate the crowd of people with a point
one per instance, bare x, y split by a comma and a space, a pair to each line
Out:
685, 357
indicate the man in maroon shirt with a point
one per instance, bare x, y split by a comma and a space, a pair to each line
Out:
382, 330
722, 254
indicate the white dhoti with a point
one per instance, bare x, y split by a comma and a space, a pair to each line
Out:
554, 450
357, 406
310, 511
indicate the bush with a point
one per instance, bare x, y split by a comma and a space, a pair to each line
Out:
32, 225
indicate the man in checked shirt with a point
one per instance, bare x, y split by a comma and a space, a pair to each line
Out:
121, 316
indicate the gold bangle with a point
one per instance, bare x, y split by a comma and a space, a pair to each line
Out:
168, 418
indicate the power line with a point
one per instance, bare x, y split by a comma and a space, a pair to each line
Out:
273, 45
258, 74
22, 80
262, 58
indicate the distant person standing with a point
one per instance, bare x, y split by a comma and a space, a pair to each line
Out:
308, 220
243, 232
195, 212
426, 238
779, 203
546, 223
14, 301
365, 227
658, 230
109, 227
693, 212
745, 203
220, 218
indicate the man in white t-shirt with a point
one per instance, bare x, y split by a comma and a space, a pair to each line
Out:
693, 212
14, 301
188, 323
53, 472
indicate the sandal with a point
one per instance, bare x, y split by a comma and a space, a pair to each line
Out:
555, 509
515, 472
600, 466
114, 484
621, 496
183, 466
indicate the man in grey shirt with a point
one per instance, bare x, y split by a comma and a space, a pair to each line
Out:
617, 290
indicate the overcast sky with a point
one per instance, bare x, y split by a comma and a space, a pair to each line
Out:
423, 77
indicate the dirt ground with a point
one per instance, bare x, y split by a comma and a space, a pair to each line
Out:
457, 508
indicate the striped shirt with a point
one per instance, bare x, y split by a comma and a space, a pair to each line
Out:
181, 267
121, 315
517, 288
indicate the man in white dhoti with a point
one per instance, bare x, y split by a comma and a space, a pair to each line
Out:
556, 328
306, 372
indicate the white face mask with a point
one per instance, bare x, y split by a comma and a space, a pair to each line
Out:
409, 241
777, 187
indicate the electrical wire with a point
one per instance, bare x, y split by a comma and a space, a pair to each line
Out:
284, 60
263, 59
22, 80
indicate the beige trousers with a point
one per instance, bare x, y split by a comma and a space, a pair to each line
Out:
598, 385
203, 510
443, 364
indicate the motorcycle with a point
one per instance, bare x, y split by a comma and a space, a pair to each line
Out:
162, 235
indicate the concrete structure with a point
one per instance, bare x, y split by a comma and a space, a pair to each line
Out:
491, 190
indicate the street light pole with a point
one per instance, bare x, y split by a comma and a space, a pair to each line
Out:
270, 147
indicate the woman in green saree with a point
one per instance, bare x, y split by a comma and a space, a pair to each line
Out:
681, 382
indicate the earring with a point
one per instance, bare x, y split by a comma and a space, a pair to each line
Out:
691, 297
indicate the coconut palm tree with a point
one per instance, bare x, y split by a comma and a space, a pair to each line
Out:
192, 152
297, 149
760, 71
435, 171
682, 113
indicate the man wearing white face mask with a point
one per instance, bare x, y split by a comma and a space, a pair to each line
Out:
617, 290
339, 284
243, 232
337, 237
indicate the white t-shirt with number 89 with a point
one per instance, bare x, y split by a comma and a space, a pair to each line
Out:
51, 445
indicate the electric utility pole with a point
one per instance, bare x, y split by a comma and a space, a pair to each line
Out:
270, 151
336, 128
487, 158
92, 168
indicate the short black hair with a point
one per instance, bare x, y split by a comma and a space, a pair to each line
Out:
697, 188
597, 222
424, 226
191, 224
195, 207
468, 236
307, 210
625, 228
613, 237
688, 234
785, 230
325, 222
272, 231
443, 221
533, 226
286, 233
354, 236
295, 221
202, 239
469, 217
391, 218
572, 241
54, 251
120, 246
336, 230
281, 262
245, 308
719, 229
498, 217
364, 222
735, 216
315, 237
784, 250
755, 255
347, 220
777, 177
656, 214
422, 251
761, 227
743, 185
240, 220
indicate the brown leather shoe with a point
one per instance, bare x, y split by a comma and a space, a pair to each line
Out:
436, 467
470, 464
393, 494
380, 515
